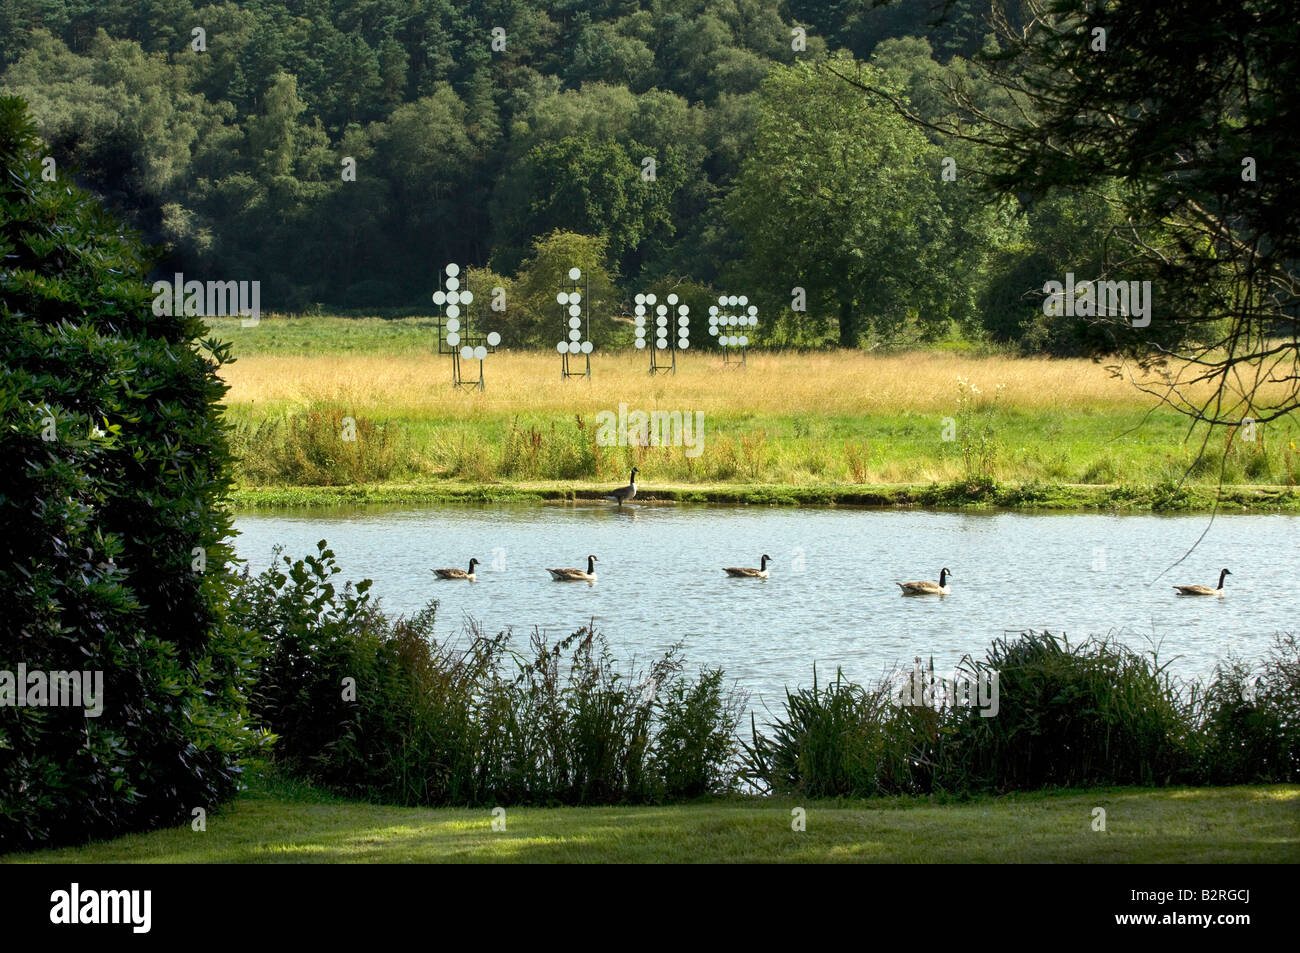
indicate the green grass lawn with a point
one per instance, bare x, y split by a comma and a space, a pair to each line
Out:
279, 822
328, 402
1162, 498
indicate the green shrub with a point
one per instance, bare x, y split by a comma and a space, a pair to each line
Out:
324, 445
1250, 719
1092, 713
1095, 713
114, 469
424, 721
837, 740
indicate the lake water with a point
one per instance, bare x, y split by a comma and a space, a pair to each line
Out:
831, 597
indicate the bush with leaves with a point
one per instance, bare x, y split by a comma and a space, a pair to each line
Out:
114, 469
379, 708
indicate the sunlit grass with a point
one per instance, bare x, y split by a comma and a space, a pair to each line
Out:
788, 418
292, 824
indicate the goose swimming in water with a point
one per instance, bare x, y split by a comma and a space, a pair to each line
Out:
743, 573
926, 588
1204, 590
625, 492
457, 573
576, 575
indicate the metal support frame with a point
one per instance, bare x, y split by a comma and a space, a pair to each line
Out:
566, 370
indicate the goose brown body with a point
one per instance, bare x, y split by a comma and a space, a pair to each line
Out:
576, 575
1204, 590
927, 588
741, 572
458, 573
625, 492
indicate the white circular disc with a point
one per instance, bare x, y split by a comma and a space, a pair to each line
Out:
713, 309
587, 347
722, 302
640, 343
453, 311
661, 344
575, 335
713, 329
466, 298
743, 340
453, 270
742, 301
650, 299
640, 310
562, 346
453, 297
753, 320
562, 298
467, 353
575, 274
683, 321
672, 299
640, 322
662, 334
640, 330
575, 310
480, 352
453, 324
453, 284
684, 309
639, 299
574, 347
575, 322
494, 339
575, 297
662, 309
453, 339
440, 297
683, 344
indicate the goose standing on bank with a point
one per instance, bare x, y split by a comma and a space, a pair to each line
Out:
457, 573
743, 573
925, 588
625, 492
1204, 590
576, 575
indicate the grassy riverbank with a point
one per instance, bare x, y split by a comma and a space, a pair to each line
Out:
1166, 498
284, 822
330, 402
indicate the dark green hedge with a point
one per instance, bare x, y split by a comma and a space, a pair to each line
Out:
113, 466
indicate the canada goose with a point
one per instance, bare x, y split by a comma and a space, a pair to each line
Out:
625, 492
457, 573
924, 588
1204, 590
576, 575
742, 573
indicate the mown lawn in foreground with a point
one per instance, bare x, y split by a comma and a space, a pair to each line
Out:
280, 822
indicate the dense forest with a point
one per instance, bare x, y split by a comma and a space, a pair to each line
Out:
340, 151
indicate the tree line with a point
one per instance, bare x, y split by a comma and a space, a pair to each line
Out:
340, 152
869, 174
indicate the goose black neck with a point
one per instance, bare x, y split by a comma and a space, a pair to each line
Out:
1222, 574
762, 564
943, 576
591, 565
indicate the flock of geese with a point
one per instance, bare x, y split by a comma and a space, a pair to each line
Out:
922, 587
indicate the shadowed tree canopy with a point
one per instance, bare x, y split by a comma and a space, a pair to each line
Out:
1181, 114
